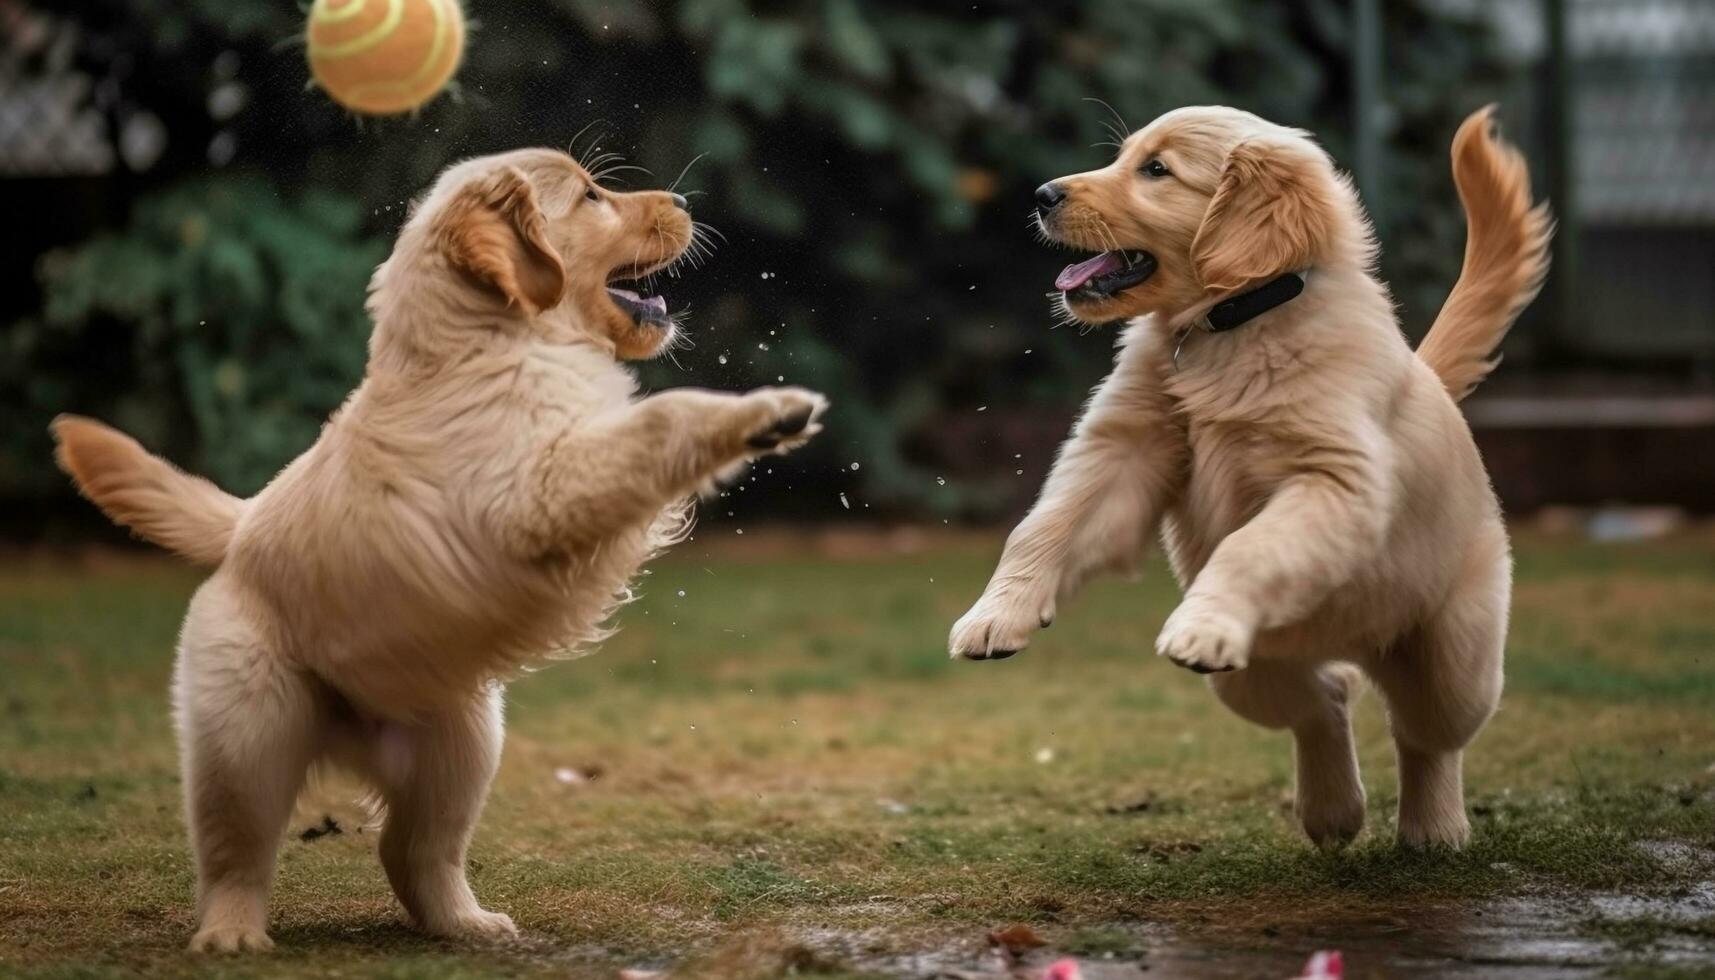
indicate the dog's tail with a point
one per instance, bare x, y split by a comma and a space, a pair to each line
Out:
1506, 257
183, 513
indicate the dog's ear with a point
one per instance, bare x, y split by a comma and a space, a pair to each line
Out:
1272, 213
493, 230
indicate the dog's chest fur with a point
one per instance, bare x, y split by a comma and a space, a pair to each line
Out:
1230, 393
388, 530
1258, 409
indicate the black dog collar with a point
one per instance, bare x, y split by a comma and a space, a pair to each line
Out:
1241, 309
1238, 310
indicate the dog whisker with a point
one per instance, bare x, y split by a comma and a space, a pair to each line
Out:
704, 227
673, 357
596, 165
1124, 127
687, 170
1106, 234
571, 144
603, 175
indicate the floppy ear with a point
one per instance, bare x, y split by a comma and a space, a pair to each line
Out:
1272, 213
493, 230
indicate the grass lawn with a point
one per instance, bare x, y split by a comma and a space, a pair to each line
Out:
789, 775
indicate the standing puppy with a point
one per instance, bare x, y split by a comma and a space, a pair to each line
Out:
1315, 486
477, 506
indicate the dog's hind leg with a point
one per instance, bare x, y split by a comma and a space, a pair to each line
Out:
435, 776
1442, 683
247, 728
1313, 702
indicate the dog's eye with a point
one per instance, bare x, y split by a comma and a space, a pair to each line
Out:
591, 195
1154, 168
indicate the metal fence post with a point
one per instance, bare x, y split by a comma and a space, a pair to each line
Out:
1366, 105
1557, 334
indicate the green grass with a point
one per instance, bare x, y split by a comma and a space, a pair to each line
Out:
785, 751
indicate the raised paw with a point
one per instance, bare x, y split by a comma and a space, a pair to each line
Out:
1201, 636
231, 939
784, 418
999, 625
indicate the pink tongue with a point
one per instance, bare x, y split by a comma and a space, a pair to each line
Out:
1074, 276
656, 303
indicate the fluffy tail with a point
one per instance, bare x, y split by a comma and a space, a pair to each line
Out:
1506, 257
183, 513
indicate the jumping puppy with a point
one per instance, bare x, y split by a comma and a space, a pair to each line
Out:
1313, 482
477, 506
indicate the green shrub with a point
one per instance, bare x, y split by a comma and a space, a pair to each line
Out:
222, 324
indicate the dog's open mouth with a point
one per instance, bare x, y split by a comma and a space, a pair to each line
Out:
643, 310
1105, 275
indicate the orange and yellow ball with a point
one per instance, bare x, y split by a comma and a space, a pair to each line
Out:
382, 57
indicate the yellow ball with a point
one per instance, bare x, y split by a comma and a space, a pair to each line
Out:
381, 57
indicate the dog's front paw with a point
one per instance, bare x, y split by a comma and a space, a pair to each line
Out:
231, 939
1331, 819
780, 420
1203, 637
478, 925
999, 625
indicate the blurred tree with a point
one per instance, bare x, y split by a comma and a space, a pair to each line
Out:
869, 163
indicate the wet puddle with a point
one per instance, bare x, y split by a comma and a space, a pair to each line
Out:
1532, 938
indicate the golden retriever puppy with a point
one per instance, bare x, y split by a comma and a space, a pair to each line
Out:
1312, 479
477, 506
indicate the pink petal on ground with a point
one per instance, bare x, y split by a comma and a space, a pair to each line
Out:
1325, 965
1066, 969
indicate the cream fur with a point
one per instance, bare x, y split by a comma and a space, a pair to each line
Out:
478, 506
1316, 489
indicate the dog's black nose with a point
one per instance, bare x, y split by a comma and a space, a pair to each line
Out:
679, 200
1049, 195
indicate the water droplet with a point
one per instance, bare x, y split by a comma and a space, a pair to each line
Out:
844, 502
854, 467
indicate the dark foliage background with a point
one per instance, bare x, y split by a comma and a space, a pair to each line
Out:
870, 164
